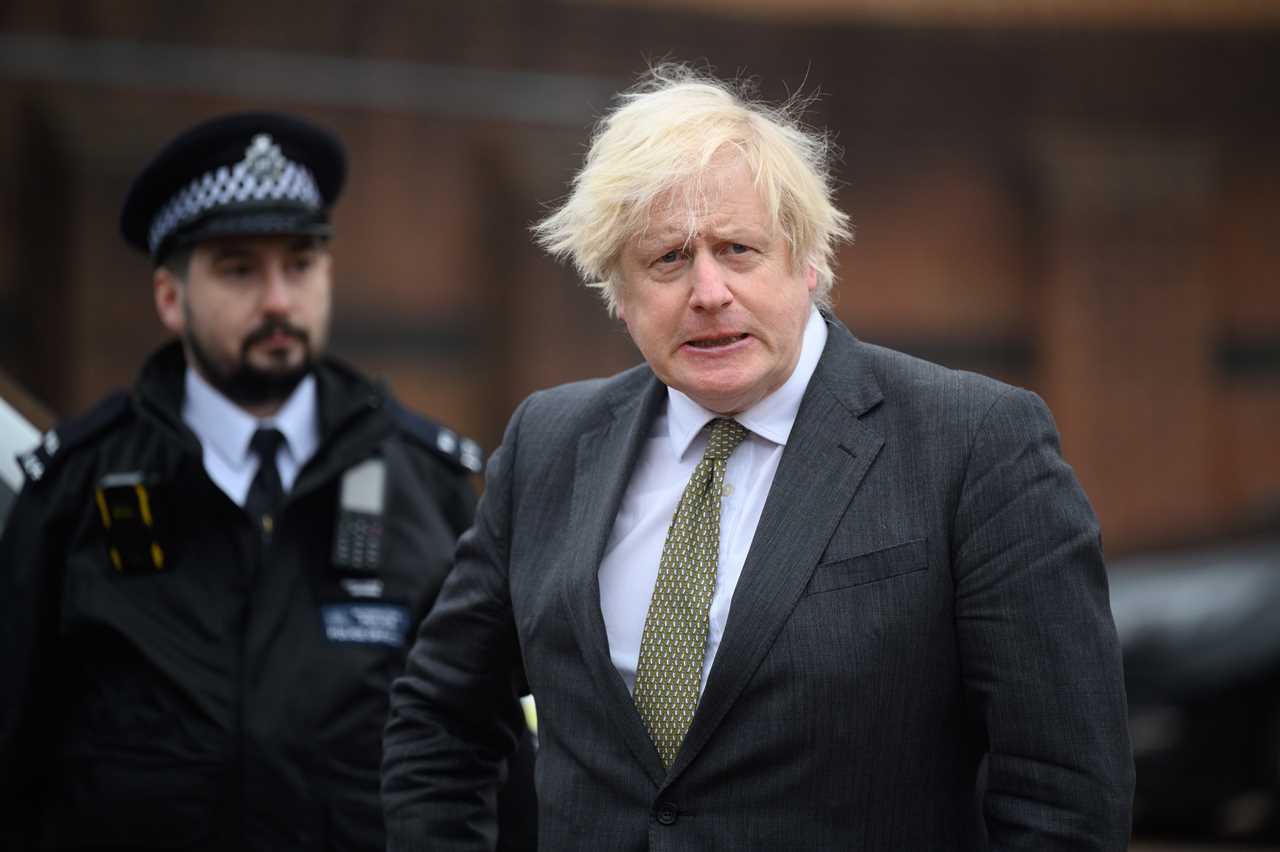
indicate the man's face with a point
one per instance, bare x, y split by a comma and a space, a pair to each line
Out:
253, 313
719, 316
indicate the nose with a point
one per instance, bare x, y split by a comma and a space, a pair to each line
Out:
710, 289
276, 296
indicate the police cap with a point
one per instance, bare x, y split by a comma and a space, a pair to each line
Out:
236, 175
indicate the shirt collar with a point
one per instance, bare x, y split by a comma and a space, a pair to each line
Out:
299, 421
772, 417
225, 428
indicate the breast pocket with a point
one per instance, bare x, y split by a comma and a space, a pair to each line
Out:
906, 558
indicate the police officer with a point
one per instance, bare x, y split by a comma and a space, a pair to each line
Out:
208, 583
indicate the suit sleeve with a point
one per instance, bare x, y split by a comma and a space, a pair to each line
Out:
1039, 653
454, 716
28, 573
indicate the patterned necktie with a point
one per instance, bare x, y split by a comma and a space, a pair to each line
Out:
266, 491
674, 643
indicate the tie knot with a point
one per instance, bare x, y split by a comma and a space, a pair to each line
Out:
726, 434
265, 443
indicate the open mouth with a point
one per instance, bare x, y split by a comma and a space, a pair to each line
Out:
278, 340
716, 342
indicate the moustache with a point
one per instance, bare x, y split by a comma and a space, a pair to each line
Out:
272, 327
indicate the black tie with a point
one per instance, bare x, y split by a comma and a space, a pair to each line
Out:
266, 490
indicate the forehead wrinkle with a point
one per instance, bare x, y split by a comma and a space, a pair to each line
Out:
701, 207
689, 224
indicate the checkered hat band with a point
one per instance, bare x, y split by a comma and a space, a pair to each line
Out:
233, 185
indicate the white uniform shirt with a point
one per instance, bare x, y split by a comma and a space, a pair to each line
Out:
224, 430
673, 449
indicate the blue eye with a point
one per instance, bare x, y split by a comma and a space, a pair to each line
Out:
670, 257
738, 248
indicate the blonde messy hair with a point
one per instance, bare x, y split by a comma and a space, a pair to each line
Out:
664, 136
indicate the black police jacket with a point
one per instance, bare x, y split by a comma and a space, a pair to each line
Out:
173, 679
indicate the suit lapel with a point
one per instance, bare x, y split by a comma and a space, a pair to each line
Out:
827, 455
606, 457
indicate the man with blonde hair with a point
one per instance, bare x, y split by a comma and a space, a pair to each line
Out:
775, 588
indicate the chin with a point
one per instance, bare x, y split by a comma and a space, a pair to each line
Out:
719, 400
727, 395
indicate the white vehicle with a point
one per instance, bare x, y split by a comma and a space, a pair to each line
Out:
17, 435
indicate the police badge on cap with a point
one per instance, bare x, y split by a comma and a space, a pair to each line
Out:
238, 175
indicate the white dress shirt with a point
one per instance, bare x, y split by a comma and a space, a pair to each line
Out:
224, 430
673, 449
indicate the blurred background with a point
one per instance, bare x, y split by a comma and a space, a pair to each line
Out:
1077, 196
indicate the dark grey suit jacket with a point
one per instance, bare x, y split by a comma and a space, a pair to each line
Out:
924, 597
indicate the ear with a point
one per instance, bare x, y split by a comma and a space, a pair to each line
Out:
169, 295
614, 286
811, 278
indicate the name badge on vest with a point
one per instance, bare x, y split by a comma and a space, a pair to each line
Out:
127, 508
371, 623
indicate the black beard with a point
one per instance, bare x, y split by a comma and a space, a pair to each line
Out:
246, 385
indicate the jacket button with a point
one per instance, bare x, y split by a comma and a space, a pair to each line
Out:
668, 813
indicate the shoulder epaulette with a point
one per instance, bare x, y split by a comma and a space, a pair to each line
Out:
55, 443
444, 442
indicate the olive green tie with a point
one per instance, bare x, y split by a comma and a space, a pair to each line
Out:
674, 643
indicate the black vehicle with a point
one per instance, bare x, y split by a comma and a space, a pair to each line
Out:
1200, 631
